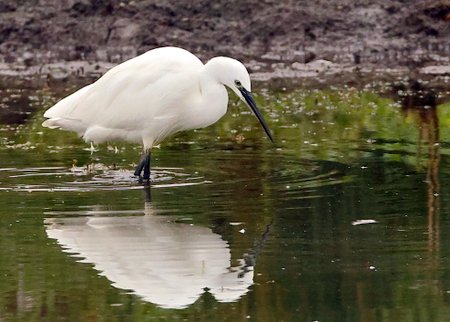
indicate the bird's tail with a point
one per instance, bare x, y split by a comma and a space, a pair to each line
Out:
66, 124
51, 124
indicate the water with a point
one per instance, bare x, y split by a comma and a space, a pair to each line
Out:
344, 218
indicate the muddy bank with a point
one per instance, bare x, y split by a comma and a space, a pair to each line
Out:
276, 39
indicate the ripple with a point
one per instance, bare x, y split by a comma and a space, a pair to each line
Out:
95, 177
310, 179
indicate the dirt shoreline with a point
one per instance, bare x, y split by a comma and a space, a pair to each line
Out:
314, 41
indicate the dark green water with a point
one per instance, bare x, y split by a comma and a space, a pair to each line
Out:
345, 218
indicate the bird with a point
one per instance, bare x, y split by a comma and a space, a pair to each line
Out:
152, 96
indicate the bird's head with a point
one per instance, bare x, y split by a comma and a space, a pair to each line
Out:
233, 74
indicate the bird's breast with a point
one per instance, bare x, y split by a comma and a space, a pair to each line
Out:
208, 107
207, 113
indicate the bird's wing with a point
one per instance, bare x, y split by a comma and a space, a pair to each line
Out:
134, 93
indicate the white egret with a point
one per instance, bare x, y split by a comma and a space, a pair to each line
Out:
151, 96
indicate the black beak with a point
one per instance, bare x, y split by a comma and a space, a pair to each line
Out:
251, 102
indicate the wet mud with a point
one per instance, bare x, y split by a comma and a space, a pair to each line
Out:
317, 41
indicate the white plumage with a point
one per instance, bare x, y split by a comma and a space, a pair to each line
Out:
149, 97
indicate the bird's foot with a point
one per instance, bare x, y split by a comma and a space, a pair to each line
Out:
144, 181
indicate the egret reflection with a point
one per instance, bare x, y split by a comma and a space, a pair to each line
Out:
166, 263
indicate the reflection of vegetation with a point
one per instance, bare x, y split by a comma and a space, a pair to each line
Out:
324, 124
340, 155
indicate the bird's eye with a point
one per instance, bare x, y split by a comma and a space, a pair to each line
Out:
237, 83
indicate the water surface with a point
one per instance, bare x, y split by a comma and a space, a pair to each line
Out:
344, 218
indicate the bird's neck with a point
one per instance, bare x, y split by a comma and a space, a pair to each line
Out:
214, 98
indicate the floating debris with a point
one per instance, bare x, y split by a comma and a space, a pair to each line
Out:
363, 222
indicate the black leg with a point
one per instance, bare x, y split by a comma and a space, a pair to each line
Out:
140, 166
147, 167
144, 164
